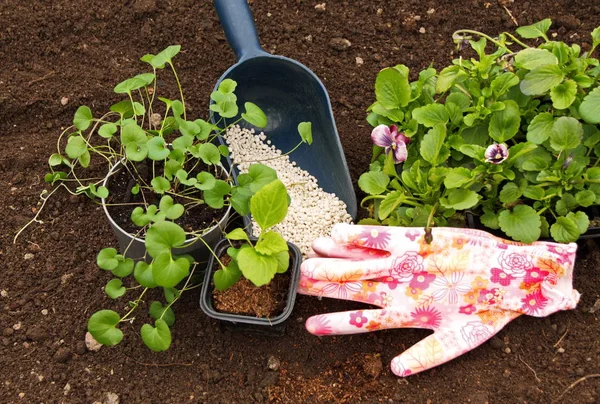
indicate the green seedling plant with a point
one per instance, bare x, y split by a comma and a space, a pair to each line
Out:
260, 261
512, 135
174, 166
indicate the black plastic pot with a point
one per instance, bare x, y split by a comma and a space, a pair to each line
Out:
250, 324
135, 248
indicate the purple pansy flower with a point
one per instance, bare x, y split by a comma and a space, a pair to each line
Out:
496, 153
393, 141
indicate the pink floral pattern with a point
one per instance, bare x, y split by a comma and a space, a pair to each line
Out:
465, 285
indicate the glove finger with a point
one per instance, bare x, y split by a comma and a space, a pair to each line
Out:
355, 322
329, 248
448, 343
344, 270
365, 291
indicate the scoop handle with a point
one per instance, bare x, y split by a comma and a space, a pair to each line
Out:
238, 24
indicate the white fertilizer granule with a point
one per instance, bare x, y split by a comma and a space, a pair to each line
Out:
312, 212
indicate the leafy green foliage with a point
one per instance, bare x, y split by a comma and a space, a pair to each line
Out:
541, 105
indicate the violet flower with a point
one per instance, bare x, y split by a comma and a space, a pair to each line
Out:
392, 141
496, 153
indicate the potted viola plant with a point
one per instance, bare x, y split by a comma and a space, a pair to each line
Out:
509, 135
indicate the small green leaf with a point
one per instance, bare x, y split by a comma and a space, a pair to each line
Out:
224, 150
457, 177
432, 146
143, 275
83, 118
209, 153
585, 198
391, 201
563, 94
168, 272
510, 192
541, 79
135, 141
261, 175
565, 230
114, 288
269, 205
504, 124
448, 77
460, 199
214, 196
106, 259
540, 127
257, 268
158, 61
205, 181
534, 192
107, 130
581, 219
566, 133
431, 114
125, 267
283, 261
171, 210
227, 86
76, 147
254, 115
521, 224
227, 276
305, 131
156, 338
163, 236
102, 326
157, 149
490, 220
392, 89
238, 234
590, 107
537, 30
373, 182
271, 243
160, 185
530, 58
157, 311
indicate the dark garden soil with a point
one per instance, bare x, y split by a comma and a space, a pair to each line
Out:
57, 55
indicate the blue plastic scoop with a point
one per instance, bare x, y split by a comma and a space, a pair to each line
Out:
289, 93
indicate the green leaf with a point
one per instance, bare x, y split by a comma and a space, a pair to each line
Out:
534, 192
238, 234
431, 114
566, 133
590, 107
521, 224
271, 243
510, 193
432, 146
163, 236
565, 230
107, 130
530, 58
156, 338
214, 196
254, 115
448, 77
504, 124
129, 85
157, 149
503, 82
269, 205
474, 151
102, 325
392, 89
227, 86
461, 99
135, 141
537, 30
143, 275
305, 131
157, 311
83, 118
457, 177
209, 153
581, 219
563, 94
107, 259
595, 36
224, 150
490, 220
76, 147
160, 185
172, 210
460, 199
585, 198
168, 272
227, 276
395, 115
540, 127
165, 56
283, 261
541, 79
115, 289
205, 181
125, 267
373, 182
261, 175
566, 204
257, 268
391, 201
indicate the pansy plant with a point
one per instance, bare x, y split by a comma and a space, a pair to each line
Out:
511, 135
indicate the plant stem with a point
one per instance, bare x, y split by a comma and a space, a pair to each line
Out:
35, 218
179, 87
135, 306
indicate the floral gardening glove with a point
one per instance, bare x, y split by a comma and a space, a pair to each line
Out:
465, 285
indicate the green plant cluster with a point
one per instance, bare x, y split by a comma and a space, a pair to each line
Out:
540, 104
147, 130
